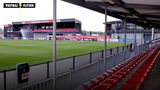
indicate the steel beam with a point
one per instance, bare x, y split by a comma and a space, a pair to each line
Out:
54, 42
105, 40
125, 37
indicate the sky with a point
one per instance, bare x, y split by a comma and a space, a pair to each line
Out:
91, 20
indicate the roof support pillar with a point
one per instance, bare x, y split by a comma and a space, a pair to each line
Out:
142, 38
125, 25
152, 37
105, 39
135, 40
54, 43
135, 34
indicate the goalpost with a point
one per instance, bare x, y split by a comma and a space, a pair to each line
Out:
41, 36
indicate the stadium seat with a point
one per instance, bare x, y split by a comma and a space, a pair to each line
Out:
106, 74
109, 79
121, 73
118, 78
90, 84
110, 82
125, 71
139, 75
142, 71
128, 87
114, 70
100, 78
110, 72
138, 82
101, 87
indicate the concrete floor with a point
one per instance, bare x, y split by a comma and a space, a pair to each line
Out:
153, 80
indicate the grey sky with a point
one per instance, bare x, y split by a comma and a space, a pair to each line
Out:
91, 20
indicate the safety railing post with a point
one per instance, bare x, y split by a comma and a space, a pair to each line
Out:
5, 82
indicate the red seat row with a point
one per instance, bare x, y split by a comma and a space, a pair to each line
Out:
110, 78
115, 78
136, 81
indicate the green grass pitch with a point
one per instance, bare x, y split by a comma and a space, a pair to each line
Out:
36, 51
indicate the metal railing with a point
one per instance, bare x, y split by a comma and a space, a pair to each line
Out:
76, 70
43, 71
79, 75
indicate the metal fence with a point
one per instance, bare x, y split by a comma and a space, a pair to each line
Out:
78, 76
71, 72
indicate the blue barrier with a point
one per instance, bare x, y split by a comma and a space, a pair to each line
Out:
122, 40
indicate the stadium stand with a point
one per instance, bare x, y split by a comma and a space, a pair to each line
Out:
129, 75
136, 81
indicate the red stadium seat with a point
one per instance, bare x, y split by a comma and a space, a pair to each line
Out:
139, 75
105, 75
101, 87
100, 78
138, 82
118, 78
128, 87
90, 84
111, 82
142, 71
121, 73
125, 71
110, 72
114, 70
109, 79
